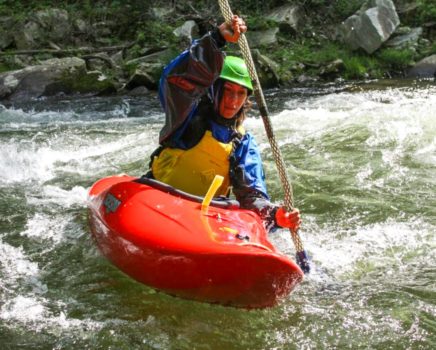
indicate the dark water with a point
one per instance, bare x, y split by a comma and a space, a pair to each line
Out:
362, 161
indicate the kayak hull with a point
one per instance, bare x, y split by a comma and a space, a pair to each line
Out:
221, 255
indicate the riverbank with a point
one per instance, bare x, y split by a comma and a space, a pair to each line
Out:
121, 48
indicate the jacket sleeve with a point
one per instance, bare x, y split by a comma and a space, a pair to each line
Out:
248, 181
186, 79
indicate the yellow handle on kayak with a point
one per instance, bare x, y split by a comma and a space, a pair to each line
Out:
216, 183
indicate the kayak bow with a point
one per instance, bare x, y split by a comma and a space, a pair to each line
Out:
161, 237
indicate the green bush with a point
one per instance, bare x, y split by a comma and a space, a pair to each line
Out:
309, 51
345, 8
260, 23
4, 68
354, 68
396, 59
426, 10
8, 66
314, 54
327, 52
157, 33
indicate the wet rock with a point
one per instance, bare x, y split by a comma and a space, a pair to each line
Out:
94, 82
152, 64
288, 17
51, 77
141, 78
43, 27
333, 69
305, 79
187, 31
138, 91
402, 30
28, 36
298, 67
32, 82
424, 42
159, 56
161, 13
118, 57
99, 61
55, 23
267, 70
426, 68
262, 38
6, 37
407, 40
407, 10
103, 29
80, 26
371, 26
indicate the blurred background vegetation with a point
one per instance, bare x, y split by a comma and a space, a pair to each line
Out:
310, 46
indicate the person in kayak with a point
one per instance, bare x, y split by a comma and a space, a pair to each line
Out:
205, 98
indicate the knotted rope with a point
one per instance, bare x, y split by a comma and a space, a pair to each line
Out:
226, 11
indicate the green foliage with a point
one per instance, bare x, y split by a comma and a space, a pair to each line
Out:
354, 68
426, 10
141, 38
4, 68
360, 65
396, 59
334, 8
115, 3
256, 7
345, 8
133, 22
7, 65
327, 52
155, 34
312, 3
260, 23
308, 52
315, 54
86, 83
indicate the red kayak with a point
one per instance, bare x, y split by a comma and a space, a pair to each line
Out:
161, 237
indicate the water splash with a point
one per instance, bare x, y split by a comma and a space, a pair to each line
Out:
28, 160
362, 165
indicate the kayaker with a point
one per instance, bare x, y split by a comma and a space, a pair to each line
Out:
205, 98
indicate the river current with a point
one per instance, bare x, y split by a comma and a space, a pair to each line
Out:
362, 162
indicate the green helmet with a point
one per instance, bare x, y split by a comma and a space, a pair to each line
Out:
235, 70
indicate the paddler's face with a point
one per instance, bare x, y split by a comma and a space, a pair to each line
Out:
232, 100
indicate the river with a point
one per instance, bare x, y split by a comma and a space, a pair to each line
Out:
362, 159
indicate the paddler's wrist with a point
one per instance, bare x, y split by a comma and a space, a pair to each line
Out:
273, 217
216, 35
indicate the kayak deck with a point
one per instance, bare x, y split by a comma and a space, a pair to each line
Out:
161, 237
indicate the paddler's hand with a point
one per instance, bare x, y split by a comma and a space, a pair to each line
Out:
232, 32
291, 220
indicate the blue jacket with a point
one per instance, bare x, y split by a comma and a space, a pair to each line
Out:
186, 92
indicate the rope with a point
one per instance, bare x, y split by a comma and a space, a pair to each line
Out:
260, 99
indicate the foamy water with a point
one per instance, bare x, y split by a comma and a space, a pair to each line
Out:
362, 164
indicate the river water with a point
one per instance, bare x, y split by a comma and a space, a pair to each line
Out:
362, 159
